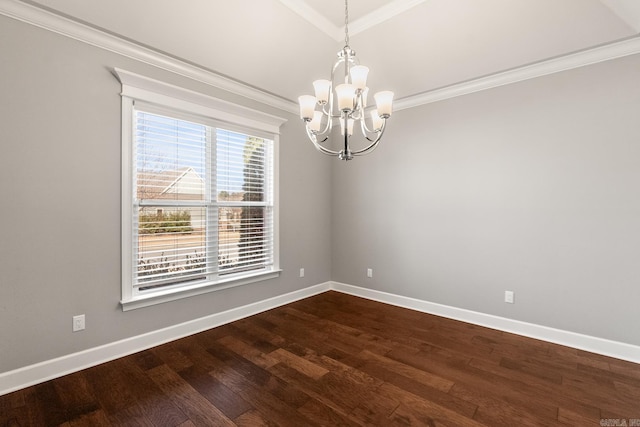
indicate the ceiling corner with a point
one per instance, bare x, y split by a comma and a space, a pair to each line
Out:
373, 18
313, 17
382, 14
627, 10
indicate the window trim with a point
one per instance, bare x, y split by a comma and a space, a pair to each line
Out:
139, 88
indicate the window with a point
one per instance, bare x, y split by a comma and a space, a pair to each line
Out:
199, 210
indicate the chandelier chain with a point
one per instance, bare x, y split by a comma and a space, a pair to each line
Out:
346, 22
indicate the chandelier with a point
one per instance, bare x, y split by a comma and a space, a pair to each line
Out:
348, 104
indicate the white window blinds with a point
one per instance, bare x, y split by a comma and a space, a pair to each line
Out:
203, 202
245, 201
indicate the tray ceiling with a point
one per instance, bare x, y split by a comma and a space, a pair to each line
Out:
411, 46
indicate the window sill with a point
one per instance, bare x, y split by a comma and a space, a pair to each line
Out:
160, 297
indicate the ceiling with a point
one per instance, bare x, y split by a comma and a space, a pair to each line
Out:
411, 46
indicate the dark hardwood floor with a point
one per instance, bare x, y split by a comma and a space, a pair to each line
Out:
338, 360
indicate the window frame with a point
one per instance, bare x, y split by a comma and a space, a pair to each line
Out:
185, 104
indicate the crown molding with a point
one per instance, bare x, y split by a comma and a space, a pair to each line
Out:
67, 27
379, 15
619, 49
359, 25
143, 88
50, 21
313, 17
627, 10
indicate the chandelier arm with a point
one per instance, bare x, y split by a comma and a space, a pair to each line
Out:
328, 126
321, 140
358, 112
319, 147
368, 149
365, 129
326, 108
340, 60
372, 146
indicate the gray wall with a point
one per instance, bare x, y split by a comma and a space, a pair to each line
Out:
532, 187
60, 191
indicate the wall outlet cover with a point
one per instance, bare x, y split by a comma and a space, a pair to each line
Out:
509, 297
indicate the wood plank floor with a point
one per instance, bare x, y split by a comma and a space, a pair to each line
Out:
339, 360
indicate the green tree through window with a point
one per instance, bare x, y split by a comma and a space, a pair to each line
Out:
252, 234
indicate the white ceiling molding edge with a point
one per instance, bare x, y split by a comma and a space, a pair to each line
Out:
627, 10
583, 58
378, 16
314, 18
144, 88
90, 35
372, 19
84, 33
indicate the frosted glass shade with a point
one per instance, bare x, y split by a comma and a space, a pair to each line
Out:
377, 121
359, 76
384, 102
322, 90
315, 124
345, 93
307, 106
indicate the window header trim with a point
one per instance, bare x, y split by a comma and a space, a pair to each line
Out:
153, 91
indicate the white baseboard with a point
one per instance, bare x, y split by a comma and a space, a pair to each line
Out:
592, 344
50, 369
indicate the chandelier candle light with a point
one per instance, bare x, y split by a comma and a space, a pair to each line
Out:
351, 95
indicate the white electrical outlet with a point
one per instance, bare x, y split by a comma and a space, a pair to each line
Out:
369, 272
78, 323
509, 297
302, 272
